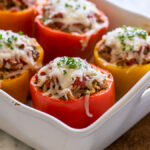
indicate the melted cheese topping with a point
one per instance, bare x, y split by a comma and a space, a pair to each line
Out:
73, 16
74, 12
87, 106
15, 48
64, 76
127, 43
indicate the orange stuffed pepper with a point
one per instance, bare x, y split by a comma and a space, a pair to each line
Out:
69, 28
125, 52
17, 15
20, 57
73, 91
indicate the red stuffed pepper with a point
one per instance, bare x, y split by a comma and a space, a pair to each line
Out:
73, 91
69, 28
17, 15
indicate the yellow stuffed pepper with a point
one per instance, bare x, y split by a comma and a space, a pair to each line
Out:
17, 15
20, 57
125, 52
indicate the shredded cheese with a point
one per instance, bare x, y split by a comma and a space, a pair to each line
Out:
87, 106
127, 43
74, 16
63, 77
15, 47
73, 11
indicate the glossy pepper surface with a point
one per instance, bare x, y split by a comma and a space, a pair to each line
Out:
124, 77
18, 21
73, 111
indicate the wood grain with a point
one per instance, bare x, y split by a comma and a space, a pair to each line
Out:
137, 138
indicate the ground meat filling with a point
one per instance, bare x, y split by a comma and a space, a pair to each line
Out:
58, 19
78, 88
72, 79
15, 5
126, 46
17, 53
10, 66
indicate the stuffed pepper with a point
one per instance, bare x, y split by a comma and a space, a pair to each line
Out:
125, 52
69, 28
17, 15
73, 91
20, 57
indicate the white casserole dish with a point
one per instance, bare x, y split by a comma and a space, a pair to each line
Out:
45, 132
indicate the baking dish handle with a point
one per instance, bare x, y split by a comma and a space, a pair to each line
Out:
144, 104
145, 99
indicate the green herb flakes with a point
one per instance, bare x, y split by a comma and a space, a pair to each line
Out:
59, 64
94, 74
1, 36
65, 72
130, 34
106, 87
68, 5
20, 33
84, 7
69, 62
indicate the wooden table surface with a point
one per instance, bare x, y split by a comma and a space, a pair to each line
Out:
137, 138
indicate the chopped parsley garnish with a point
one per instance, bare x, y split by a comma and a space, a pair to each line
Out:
11, 47
94, 74
65, 72
106, 87
20, 33
68, 5
122, 39
84, 7
123, 48
129, 34
14, 38
124, 27
142, 33
8, 40
59, 64
76, 7
69, 62
1, 36
131, 48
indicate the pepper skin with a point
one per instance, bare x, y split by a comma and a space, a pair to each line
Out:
18, 21
57, 43
73, 112
124, 77
18, 87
